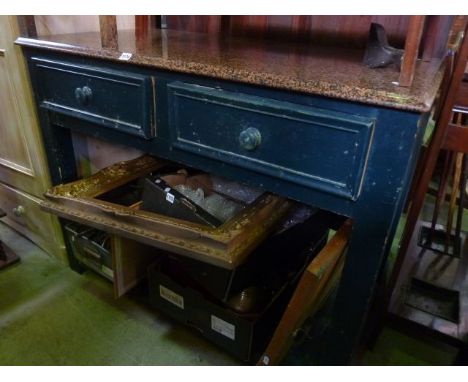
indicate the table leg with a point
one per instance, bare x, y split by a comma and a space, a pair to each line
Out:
356, 289
374, 225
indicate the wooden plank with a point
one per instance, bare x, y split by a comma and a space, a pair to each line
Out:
410, 56
458, 26
442, 186
200, 24
142, 23
142, 26
461, 98
108, 25
435, 37
130, 261
27, 26
457, 139
310, 291
453, 197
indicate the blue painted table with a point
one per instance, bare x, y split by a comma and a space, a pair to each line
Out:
310, 124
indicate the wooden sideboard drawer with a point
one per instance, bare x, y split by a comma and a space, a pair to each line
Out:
114, 99
317, 148
25, 215
227, 246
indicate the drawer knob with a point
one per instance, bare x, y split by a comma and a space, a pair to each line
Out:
84, 95
19, 211
250, 138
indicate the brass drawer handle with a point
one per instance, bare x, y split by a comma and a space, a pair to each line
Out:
84, 95
2, 52
250, 138
19, 211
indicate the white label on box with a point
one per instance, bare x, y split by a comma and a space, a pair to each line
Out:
171, 296
170, 197
223, 327
125, 56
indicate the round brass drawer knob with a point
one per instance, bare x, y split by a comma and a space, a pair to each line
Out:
84, 95
250, 138
19, 211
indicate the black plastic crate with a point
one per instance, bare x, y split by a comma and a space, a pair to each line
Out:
278, 256
244, 336
91, 247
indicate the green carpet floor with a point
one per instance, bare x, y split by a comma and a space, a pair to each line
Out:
50, 315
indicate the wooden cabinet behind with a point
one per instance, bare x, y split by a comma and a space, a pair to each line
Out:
23, 169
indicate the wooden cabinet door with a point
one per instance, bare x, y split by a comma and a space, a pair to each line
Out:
22, 160
24, 175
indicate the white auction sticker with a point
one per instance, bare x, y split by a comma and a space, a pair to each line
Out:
170, 197
171, 296
223, 327
125, 56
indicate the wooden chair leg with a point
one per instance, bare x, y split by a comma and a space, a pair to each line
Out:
431, 159
448, 164
453, 197
455, 185
413, 38
108, 27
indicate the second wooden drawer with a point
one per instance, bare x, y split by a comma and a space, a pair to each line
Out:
317, 148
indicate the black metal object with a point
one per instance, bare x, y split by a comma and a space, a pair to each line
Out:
91, 248
242, 335
267, 266
436, 240
379, 53
159, 197
461, 205
7, 256
438, 301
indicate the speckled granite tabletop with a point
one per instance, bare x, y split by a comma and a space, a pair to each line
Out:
332, 72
